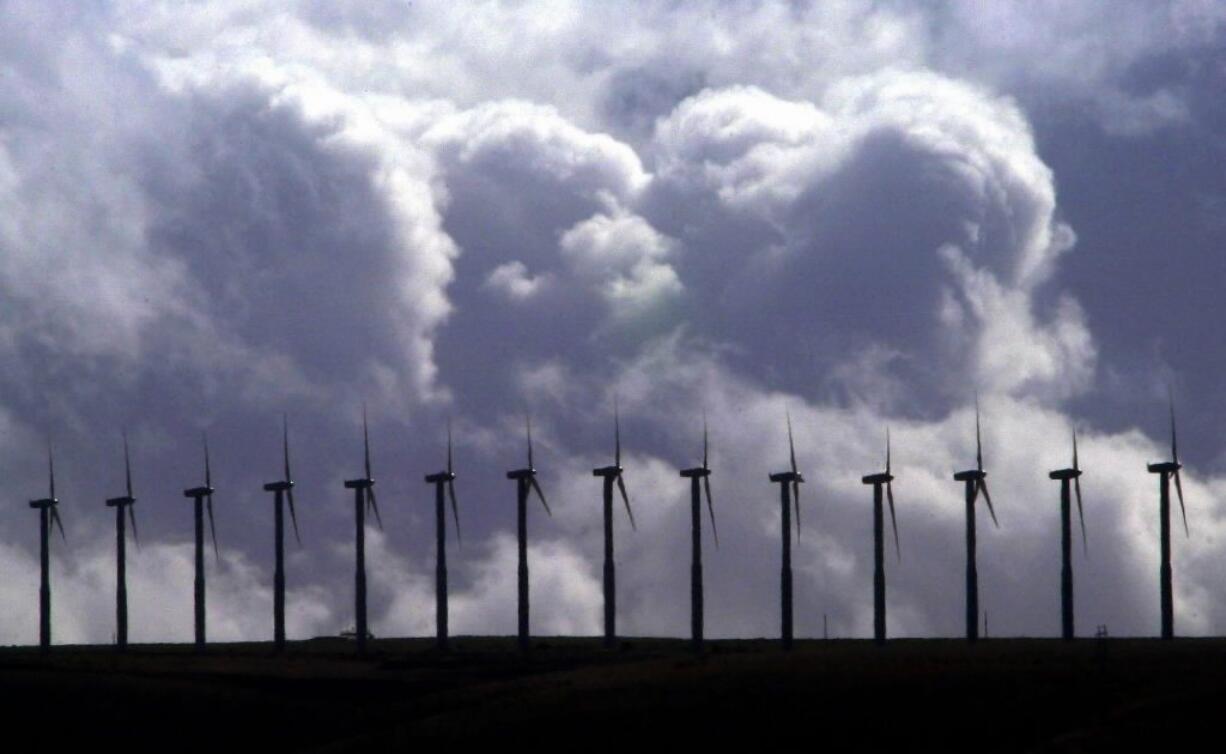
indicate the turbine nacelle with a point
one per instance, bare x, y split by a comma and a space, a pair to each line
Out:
282, 486
442, 476
787, 476
882, 478
198, 492
696, 472
359, 484
971, 475
1063, 474
521, 474
120, 501
608, 471
1165, 467
46, 502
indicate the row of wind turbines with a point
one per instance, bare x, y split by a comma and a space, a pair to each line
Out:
526, 485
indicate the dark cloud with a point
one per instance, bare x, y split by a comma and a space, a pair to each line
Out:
211, 217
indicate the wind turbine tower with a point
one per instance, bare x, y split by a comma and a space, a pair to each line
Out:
48, 514
610, 476
975, 482
789, 495
363, 498
202, 501
878, 481
700, 482
1165, 470
525, 484
1070, 477
283, 491
121, 551
444, 484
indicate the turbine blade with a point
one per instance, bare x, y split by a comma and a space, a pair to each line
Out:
537, 487
285, 445
373, 504
706, 484
51, 468
208, 504
449, 445
1085, 545
1076, 467
988, 498
365, 442
617, 435
791, 443
796, 506
289, 494
529, 423
55, 518
1182, 510
132, 518
208, 470
455, 512
705, 441
889, 494
887, 450
978, 438
127, 464
1174, 442
621, 486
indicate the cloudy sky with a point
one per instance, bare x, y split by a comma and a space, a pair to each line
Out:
858, 213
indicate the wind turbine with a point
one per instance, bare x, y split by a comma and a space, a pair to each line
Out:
611, 475
789, 495
525, 484
443, 481
1166, 470
699, 477
1069, 476
363, 498
47, 515
878, 481
202, 500
975, 481
121, 550
283, 491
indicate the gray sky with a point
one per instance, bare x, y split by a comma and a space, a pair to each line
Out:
211, 214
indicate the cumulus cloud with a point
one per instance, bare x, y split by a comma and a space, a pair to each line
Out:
210, 216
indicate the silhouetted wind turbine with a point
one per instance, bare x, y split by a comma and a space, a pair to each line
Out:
363, 498
878, 481
525, 484
611, 475
789, 495
1067, 476
202, 500
975, 482
1166, 470
121, 550
47, 515
283, 491
699, 477
441, 480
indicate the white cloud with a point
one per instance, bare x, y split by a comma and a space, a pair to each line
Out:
209, 215
512, 280
624, 259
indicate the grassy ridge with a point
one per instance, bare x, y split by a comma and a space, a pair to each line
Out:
1001, 695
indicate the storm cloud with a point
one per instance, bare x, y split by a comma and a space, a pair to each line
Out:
861, 214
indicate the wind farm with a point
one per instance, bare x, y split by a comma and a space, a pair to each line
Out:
535, 280
466, 686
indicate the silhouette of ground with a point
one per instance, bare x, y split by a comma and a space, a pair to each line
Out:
1000, 695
